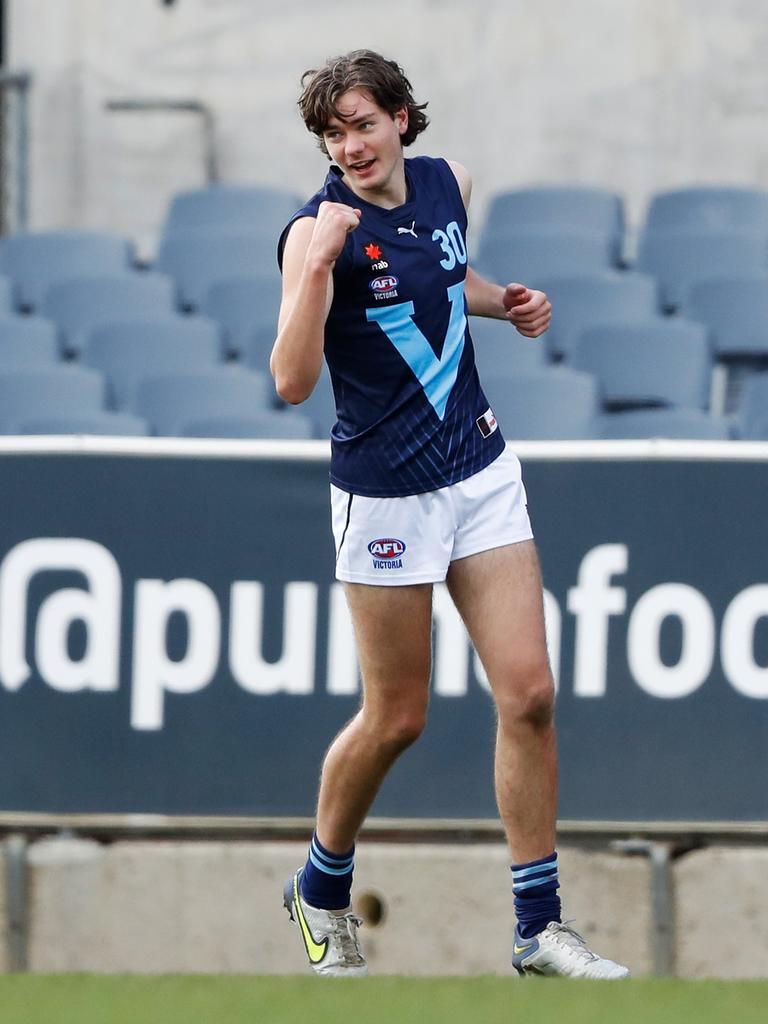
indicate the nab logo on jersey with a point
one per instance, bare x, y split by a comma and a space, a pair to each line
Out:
387, 553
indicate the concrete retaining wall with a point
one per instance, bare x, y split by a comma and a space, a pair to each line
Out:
159, 907
722, 913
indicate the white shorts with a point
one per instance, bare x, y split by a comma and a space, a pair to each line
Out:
413, 539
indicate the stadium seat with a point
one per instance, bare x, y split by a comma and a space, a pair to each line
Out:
709, 208
257, 343
679, 259
268, 425
127, 352
81, 304
554, 404
197, 260
236, 206
587, 300
8, 303
532, 257
752, 413
659, 362
29, 393
690, 424
500, 349
243, 304
565, 208
110, 424
27, 341
171, 401
735, 311
320, 407
36, 260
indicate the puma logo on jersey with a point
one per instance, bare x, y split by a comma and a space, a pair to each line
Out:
408, 231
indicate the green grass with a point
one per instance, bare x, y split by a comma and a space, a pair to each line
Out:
91, 999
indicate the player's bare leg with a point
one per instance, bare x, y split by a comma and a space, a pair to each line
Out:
393, 630
499, 596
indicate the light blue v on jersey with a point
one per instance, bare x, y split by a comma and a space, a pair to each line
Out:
412, 416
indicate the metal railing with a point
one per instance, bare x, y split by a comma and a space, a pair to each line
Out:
147, 105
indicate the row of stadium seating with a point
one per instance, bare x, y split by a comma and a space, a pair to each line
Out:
230, 401
219, 297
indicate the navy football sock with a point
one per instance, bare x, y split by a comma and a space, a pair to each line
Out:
327, 877
535, 888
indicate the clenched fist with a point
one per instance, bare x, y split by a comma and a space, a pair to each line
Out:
529, 311
333, 224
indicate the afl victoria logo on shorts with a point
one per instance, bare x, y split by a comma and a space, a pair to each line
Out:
387, 553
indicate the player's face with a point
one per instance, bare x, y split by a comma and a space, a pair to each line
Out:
366, 144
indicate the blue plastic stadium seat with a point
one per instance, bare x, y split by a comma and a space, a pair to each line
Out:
243, 304
256, 346
81, 304
27, 394
237, 206
735, 311
27, 341
680, 259
555, 404
171, 401
654, 363
500, 349
36, 260
8, 303
752, 413
320, 407
127, 352
109, 424
268, 425
566, 208
197, 260
587, 300
691, 424
532, 257
709, 208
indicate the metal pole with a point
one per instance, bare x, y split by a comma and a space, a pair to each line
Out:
20, 81
662, 938
16, 902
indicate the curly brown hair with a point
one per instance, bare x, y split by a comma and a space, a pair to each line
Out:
384, 79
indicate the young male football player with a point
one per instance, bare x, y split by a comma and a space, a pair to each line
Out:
423, 490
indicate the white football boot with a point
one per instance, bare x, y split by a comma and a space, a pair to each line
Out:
559, 951
330, 936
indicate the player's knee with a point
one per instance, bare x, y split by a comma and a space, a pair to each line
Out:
397, 730
405, 728
528, 700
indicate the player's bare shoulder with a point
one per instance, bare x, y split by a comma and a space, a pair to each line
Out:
464, 180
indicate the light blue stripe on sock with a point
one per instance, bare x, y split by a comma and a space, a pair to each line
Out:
519, 886
551, 865
345, 863
324, 867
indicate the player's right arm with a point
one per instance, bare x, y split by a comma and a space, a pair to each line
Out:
311, 249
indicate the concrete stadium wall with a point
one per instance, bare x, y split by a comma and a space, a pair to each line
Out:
156, 907
637, 96
160, 907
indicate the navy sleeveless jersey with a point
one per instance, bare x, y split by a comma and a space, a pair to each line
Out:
412, 416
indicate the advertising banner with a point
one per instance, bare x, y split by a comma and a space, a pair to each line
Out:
172, 639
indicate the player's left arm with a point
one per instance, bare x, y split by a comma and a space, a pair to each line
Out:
526, 309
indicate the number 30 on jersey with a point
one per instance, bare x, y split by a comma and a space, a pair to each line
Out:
452, 245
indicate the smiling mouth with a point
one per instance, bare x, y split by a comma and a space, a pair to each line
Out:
362, 165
